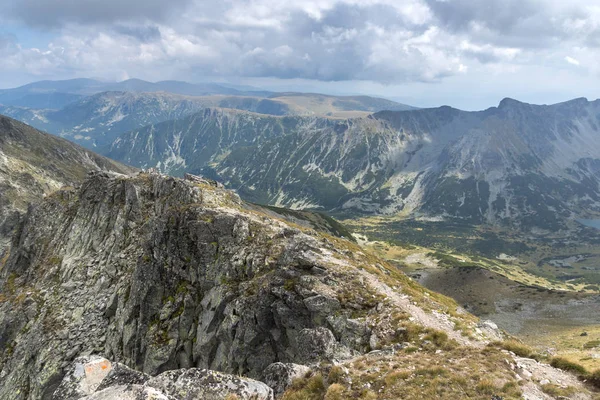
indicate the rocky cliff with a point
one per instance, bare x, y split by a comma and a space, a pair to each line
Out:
162, 274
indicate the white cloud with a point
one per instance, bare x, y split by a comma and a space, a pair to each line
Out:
572, 60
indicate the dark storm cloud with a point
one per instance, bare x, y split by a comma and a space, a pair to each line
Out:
56, 13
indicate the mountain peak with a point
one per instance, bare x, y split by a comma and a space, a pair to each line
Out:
509, 102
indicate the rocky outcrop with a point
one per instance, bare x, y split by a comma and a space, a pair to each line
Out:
97, 378
163, 274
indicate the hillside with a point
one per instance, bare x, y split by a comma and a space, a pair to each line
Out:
534, 167
170, 276
33, 164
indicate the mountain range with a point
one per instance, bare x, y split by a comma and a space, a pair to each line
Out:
516, 164
94, 113
117, 283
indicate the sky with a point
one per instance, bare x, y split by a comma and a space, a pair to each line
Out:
465, 53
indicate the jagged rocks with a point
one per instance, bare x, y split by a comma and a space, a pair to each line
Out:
96, 378
162, 274
279, 376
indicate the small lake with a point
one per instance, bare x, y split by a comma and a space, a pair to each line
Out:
594, 223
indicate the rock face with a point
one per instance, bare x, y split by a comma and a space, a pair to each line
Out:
33, 164
162, 274
97, 378
516, 164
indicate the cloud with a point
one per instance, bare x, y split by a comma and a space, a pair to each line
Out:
57, 13
383, 41
572, 61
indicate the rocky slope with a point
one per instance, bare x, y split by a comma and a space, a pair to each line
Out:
33, 164
161, 274
533, 167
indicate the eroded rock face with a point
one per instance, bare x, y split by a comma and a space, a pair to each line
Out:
162, 274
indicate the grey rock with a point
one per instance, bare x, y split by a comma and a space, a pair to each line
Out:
316, 344
129, 392
83, 377
192, 384
279, 376
165, 274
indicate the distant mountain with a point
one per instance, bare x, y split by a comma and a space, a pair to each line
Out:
337, 106
57, 94
33, 163
98, 119
517, 164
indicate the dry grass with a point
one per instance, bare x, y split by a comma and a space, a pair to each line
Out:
453, 374
569, 366
520, 349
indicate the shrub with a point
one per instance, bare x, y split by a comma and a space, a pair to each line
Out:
310, 388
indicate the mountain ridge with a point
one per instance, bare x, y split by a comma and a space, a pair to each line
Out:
424, 161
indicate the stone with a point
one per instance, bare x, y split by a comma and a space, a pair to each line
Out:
122, 375
189, 384
323, 305
279, 376
316, 344
83, 377
129, 392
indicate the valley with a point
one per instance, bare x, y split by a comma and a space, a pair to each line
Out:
548, 314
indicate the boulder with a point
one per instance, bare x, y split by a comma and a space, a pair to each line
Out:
316, 344
83, 377
203, 384
128, 392
279, 376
